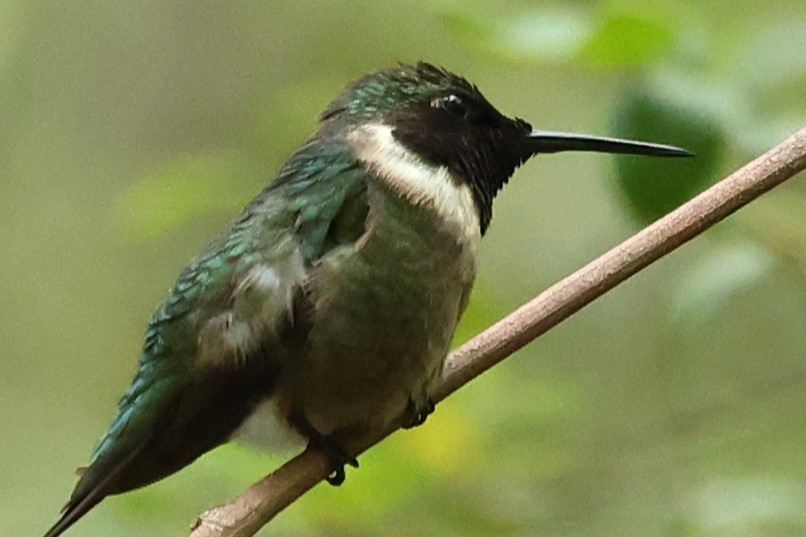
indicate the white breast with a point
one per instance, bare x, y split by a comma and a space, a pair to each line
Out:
420, 182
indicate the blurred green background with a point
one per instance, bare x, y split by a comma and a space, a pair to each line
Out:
131, 132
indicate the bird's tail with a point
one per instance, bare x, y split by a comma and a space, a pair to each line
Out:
72, 512
94, 485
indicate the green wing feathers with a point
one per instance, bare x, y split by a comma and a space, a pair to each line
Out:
213, 349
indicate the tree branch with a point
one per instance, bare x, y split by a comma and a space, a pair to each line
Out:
257, 505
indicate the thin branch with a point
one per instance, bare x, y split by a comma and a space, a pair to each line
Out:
257, 505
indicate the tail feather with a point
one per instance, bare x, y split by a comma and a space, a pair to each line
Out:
72, 512
89, 492
165, 428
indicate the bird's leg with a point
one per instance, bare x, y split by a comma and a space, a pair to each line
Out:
334, 451
418, 412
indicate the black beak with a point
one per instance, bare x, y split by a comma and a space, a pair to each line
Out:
554, 142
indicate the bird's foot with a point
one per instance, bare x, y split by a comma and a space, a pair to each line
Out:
416, 414
339, 458
333, 450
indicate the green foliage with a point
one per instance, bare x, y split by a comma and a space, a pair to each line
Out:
631, 35
653, 187
673, 406
611, 35
555, 33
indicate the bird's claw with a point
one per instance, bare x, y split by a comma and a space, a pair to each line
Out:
339, 458
417, 414
332, 449
337, 477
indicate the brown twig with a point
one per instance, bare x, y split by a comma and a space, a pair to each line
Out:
257, 505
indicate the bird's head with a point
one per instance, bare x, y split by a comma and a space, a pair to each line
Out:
446, 121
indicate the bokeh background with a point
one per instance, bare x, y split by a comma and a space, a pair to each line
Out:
131, 132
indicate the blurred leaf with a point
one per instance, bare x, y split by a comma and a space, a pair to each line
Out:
551, 33
774, 55
188, 188
655, 186
722, 274
631, 35
618, 35
737, 506
772, 67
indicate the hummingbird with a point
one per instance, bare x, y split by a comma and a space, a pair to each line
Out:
330, 303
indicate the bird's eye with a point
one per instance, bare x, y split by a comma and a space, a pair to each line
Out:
454, 105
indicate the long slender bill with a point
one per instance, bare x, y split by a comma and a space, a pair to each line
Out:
554, 142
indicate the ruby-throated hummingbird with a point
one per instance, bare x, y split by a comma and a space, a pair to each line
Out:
335, 294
